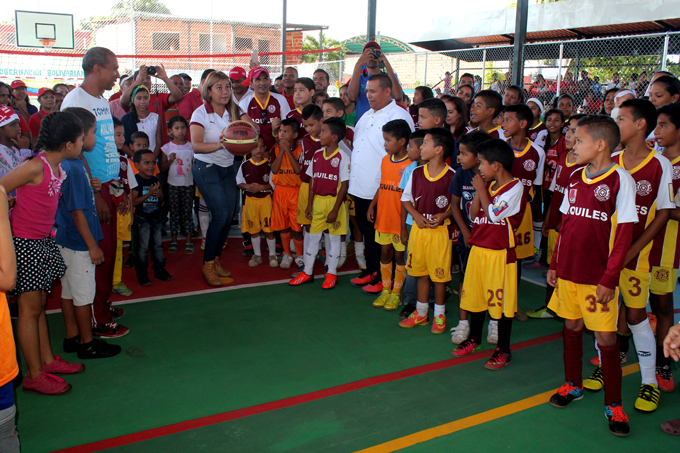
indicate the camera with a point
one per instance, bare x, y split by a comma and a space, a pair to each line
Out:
151, 70
377, 54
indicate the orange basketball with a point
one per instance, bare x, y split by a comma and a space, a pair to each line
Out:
239, 137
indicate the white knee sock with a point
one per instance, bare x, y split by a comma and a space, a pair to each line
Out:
203, 217
597, 348
422, 308
257, 245
332, 253
537, 235
310, 252
645, 345
358, 248
343, 248
271, 245
439, 310
305, 239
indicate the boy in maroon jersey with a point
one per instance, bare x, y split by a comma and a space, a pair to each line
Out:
302, 95
486, 106
431, 114
654, 201
598, 213
329, 172
665, 254
426, 198
253, 179
491, 275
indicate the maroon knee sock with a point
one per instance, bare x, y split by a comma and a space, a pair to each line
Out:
611, 373
573, 356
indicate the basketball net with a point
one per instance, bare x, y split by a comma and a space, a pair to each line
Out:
47, 44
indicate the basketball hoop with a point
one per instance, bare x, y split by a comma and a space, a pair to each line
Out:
47, 44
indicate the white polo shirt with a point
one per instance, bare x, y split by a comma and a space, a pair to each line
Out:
369, 148
213, 124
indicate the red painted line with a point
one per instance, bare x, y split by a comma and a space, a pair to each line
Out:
288, 402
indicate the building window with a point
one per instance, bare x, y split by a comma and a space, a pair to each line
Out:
165, 41
219, 42
243, 43
263, 45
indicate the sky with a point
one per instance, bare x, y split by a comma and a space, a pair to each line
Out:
348, 17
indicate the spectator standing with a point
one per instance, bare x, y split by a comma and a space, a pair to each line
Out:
192, 100
117, 110
21, 103
615, 83
321, 81
290, 75
47, 102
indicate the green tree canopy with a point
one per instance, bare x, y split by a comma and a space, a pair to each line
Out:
311, 42
146, 6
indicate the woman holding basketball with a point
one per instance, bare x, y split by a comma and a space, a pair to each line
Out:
213, 168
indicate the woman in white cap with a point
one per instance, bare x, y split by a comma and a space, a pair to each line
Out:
538, 132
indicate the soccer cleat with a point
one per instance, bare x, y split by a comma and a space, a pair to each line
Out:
330, 281
671, 427
361, 261
648, 398
455, 269
393, 301
374, 287
71, 344
203, 244
492, 337
273, 261
414, 320
61, 366
541, 313
299, 260
595, 382
596, 360
439, 325
382, 298
46, 384
521, 316
255, 261
618, 420
286, 261
498, 360
565, 395
406, 311
664, 376
302, 278
117, 313
363, 279
98, 349
248, 249
120, 288
460, 333
110, 330
466, 348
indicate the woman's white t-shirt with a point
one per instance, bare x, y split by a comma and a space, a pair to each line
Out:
179, 173
213, 124
149, 126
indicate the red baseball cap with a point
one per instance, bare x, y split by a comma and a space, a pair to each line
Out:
18, 83
237, 73
7, 115
45, 91
255, 72
372, 44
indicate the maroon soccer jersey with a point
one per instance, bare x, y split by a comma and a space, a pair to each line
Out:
496, 132
653, 191
539, 134
429, 194
494, 226
413, 111
255, 173
558, 187
552, 158
328, 171
666, 249
310, 145
276, 106
349, 134
528, 167
597, 223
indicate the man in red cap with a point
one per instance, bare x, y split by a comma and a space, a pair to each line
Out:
191, 101
367, 66
239, 82
47, 101
20, 101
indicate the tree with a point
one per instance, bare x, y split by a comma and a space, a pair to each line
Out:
146, 6
605, 67
312, 43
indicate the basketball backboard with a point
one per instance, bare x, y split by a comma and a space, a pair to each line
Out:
35, 27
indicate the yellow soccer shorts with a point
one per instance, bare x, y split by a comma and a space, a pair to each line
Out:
125, 226
284, 208
390, 239
575, 301
303, 199
552, 243
256, 215
322, 206
429, 253
664, 280
634, 286
490, 283
351, 209
524, 236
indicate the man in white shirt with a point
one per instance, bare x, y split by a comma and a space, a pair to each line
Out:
615, 83
369, 149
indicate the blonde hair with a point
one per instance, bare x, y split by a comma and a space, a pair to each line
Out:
214, 77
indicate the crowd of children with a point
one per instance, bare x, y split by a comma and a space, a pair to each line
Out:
594, 200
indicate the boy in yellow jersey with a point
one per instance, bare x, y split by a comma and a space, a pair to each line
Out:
654, 201
426, 198
326, 208
665, 253
491, 276
486, 106
388, 217
286, 179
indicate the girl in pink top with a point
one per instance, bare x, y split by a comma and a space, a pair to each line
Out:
39, 263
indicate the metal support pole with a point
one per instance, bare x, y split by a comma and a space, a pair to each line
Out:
425, 81
559, 69
321, 44
211, 33
457, 79
372, 14
664, 57
483, 68
284, 27
520, 40
133, 28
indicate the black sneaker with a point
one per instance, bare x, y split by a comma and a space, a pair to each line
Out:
162, 275
618, 420
130, 261
71, 344
143, 280
406, 311
110, 330
565, 395
117, 313
98, 349
248, 249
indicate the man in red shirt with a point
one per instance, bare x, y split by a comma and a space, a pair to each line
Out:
191, 101
47, 101
290, 75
